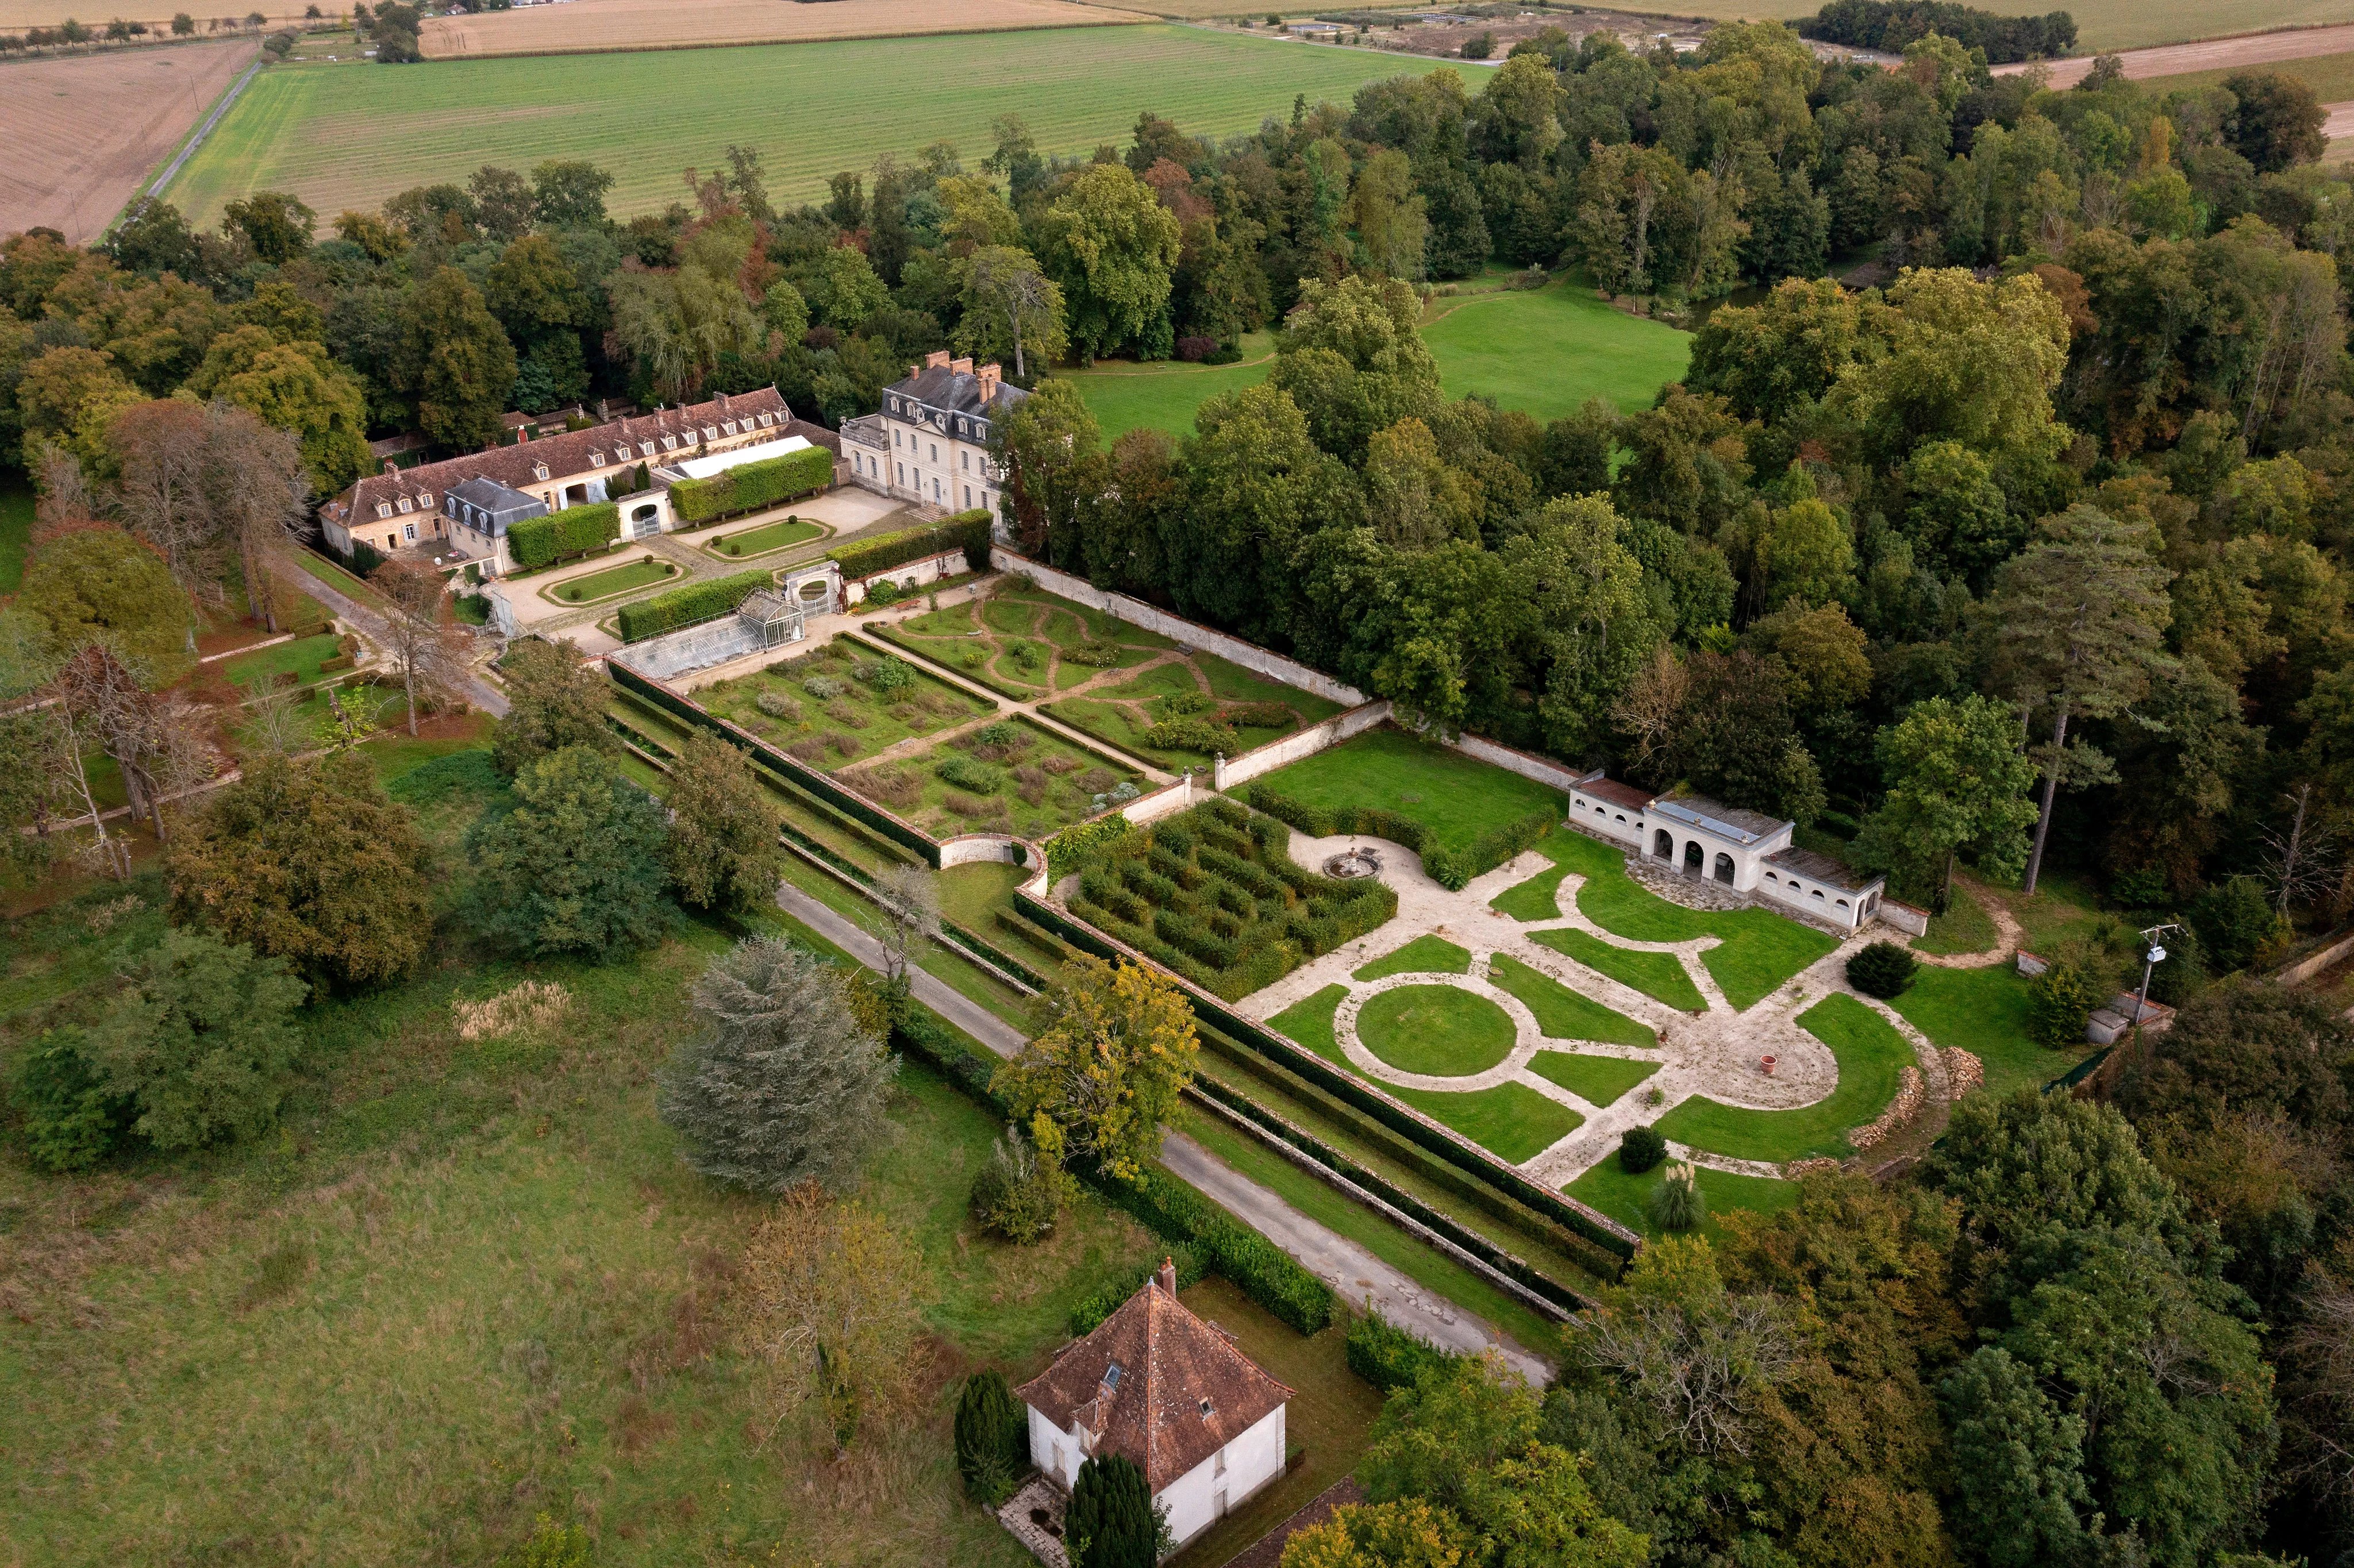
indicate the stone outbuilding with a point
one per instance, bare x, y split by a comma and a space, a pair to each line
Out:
1173, 1393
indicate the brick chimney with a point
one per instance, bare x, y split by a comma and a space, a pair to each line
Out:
723, 402
960, 366
988, 375
936, 360
390, 466
1168, 1277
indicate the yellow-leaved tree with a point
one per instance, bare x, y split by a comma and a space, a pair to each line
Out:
1108, 1068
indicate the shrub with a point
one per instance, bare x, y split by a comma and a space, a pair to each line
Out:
1676, 1203
1085, 845
752, 486
1020, 1192
1454, 870
777, 705
340, 661
1387, 1356
2059, 1002
966, 530
1882, 970
1192, 734
1194, 350
684, 606
1110, 1522
964, 773
992, 1446
2236, 923
575, 531
824, 688
1641, 1148
1264, 1272
1260, 716
887, 675
71, 1120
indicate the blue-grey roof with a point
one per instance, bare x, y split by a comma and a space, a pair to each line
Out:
1730, 822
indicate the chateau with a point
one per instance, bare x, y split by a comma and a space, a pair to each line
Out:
930, 443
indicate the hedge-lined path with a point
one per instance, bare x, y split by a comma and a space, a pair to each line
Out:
915, 744
1715, 1054
1359, 1277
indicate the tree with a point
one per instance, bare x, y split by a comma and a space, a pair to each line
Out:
843, 291
198, 1039
2278, 121
1735, 740
1021, 1192
553, 700
276, 226
71, 1120
1110, 1066
993, 1439
455, 360
781, 1084
299, 390
1112, 247
569, 194
1407, 1533
909, 899
2077, 622
2018, 1466
422, 634
832, 1300
160, 744
1109, 1522
1388, 215
1009, 301
1353, 359
309, 862
577, 867
1051, 451
1882, 970
1957, 780
724, 851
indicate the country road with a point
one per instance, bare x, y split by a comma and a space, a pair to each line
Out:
2211, 54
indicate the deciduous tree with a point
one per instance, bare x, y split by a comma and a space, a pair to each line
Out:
553, 700
724, 851
199, 1039
1108, 1069
577, 867
1957, 778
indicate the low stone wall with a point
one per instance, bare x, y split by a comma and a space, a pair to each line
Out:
909, 574
1903, 917
1136, 612
1543, 769
1227, 773
1165, 801
1901, 1109
2305, 968
969, 849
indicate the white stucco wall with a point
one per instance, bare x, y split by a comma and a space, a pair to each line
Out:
1054, 1451
1203, 1495
1603, 817
1316, 738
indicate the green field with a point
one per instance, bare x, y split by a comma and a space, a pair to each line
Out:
2100, 24
1870, 1056
1511, 1121
1436, 1031
1985, 1013
1545, 351
612, 581
1659, 976
1542, 351
1456, 796
350, 136
1426, 955
300, 659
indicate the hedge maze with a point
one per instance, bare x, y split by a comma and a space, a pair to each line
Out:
1215, 895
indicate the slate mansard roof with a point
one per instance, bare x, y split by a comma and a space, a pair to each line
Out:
1156, 1383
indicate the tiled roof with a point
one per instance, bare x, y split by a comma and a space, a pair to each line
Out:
1617, 794
1182, 1392
1821, 868
958, 391
1701, 812
567, 455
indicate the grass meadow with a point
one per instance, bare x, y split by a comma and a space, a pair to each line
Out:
349, 136
2100, 24
1456, 796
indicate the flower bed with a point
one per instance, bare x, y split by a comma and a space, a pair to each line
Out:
839, 705
1008, 777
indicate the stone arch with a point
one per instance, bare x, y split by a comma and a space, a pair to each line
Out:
1693, 856
1663, 845
1723, 866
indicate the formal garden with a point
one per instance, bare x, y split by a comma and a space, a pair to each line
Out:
840, 704
1026, 642
612, 582
1190, 708
1008, 776
765, 539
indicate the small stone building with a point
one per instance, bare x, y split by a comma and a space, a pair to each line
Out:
1747, 851
1171, 1392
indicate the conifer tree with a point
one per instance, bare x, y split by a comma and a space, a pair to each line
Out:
1109, 1523
990, 1452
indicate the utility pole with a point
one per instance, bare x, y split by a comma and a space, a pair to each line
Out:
2153, 954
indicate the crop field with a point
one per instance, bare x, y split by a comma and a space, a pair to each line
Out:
2331, 77
84, 131
350, 135
602, 26
2100, 24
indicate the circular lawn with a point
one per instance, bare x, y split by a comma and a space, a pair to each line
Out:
1441, 1031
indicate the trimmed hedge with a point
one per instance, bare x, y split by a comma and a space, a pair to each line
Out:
533, 542
1264, 1272
1451, 869
1388, 1357
753, 485
967, 531
684, 605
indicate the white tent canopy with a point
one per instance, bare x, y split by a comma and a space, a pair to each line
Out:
704, 467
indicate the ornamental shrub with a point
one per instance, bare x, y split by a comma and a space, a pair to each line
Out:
1192, 734
533, 542
2059, 1002
992, 1439
967, 530
1882, 970
1641, 1148
1110, 1522
1677, 1203
684, 605
964, 773
1387, 1356
71, 1119
1021, 1188
753, 485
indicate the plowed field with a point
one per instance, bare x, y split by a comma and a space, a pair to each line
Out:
666, 24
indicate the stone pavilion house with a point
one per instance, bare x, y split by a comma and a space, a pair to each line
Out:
1747, 851
930, 444
1173, 1393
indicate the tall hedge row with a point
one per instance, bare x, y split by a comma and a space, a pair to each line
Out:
533, 542
753, 485
967, 531
1451, 869
684, 605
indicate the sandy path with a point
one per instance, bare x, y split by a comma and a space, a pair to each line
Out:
2213, 54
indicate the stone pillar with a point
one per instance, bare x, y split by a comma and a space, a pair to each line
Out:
1218, 773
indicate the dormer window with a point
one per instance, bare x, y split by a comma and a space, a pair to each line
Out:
596, 459
383, 508
729, 427
669, 442
1111, 1375
539, 470
645, 449
1205, 1410
710, 433
404, 504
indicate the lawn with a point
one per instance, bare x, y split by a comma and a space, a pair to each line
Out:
1964, 928
1437, 1031
1545, 351
467, 1283
1538, 898
1011, 776
1426, 955
1621, 1196
1596, 1080
15, 530
1562, 1013
1026, 644
1985, 1013
1309, 1021
1759, 951
1163, 396
1870, 1056
345, 137
1511, 1121
266, 667
770, 537
1200, 687
1458, 798
840, 704
1659, 976
612, 582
